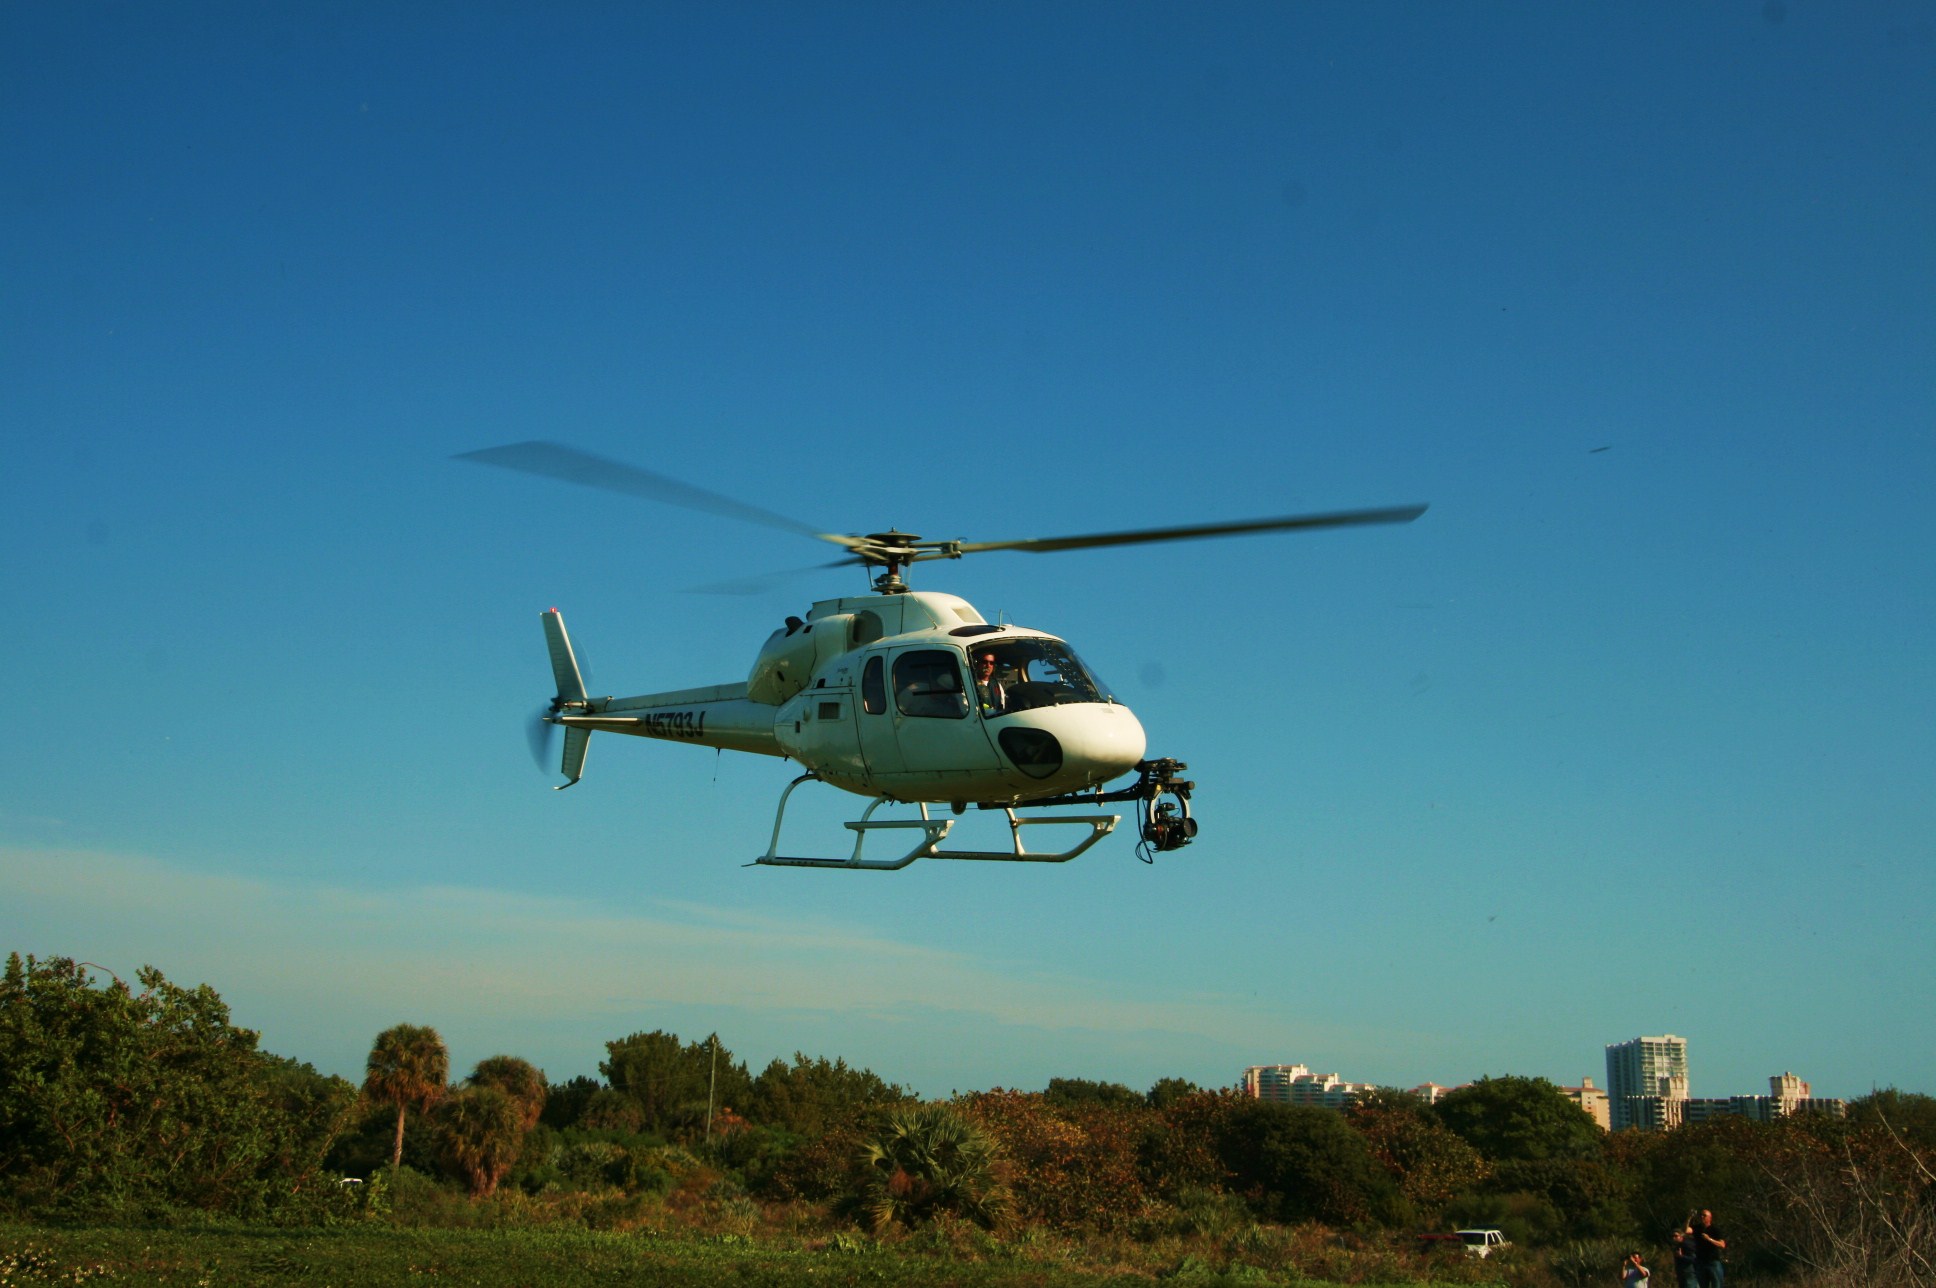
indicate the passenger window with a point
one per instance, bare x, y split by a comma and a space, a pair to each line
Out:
927, 682
873, 688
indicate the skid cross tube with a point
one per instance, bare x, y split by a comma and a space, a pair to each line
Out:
933, 832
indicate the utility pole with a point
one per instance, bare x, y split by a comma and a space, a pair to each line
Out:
712, 1081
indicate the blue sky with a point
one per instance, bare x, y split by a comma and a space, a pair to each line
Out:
1610, 742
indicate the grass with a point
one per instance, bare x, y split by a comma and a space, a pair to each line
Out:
376, 1254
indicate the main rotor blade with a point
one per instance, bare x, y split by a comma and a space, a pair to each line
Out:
761, 583
569, 465
1339, 519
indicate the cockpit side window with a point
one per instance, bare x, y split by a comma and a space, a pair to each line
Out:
873, 687
927, 682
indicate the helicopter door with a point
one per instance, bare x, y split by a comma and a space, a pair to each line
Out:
914, 718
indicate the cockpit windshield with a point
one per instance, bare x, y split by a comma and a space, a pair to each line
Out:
1018, 675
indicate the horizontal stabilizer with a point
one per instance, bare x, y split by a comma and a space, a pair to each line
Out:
577, 743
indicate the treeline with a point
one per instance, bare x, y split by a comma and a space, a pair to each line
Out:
138, 1100
121, 1099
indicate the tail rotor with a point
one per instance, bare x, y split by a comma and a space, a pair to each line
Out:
543, 737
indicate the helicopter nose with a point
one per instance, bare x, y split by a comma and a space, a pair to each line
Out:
1076, 745
1109, 739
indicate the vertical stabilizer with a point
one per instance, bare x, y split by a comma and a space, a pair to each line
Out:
564, 662
571, 695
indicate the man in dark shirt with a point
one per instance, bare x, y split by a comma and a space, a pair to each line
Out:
1708, 1247
1684, 1254
989, 691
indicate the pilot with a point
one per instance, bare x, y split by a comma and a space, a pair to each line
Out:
988, 690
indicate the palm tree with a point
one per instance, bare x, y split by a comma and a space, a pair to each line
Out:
482, 1134
408, 1068
518, 1079
924, 1160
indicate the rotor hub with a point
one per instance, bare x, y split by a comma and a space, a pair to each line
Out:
891, 551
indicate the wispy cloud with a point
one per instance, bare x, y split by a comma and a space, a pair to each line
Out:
326, 966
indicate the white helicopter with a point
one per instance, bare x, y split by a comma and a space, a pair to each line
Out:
908, 697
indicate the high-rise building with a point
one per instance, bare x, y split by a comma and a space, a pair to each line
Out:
1646, 1068
1272, 1081
1294, 1084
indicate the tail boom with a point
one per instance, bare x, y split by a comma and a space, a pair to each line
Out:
719, 716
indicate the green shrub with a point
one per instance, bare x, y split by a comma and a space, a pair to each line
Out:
1585, 1263
1210, 1212
417, 1199
924, 1161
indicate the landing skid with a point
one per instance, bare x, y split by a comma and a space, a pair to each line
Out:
933, 832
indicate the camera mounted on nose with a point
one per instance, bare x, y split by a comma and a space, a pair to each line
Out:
1167, 824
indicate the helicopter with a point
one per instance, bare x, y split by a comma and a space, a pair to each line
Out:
909, 697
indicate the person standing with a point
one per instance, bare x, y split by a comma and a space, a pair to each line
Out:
1708, 1249
1633, 1274
1684, 1253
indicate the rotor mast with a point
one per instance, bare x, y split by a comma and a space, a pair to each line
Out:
894, 550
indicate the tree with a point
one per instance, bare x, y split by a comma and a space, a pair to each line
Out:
1519, 1118
1431, 1164
1067, 1165
519, 1079
923, 1160
808, 1096
1571, 1198
318, 1109
1910, 1114
481, 1129
1165, 1092
1183, 1148
116, 1100
566, 1102
1851, 1203
1302, 1163
612, 1112
672, 1084
1700, 1165
407, 1068
1082, 1091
